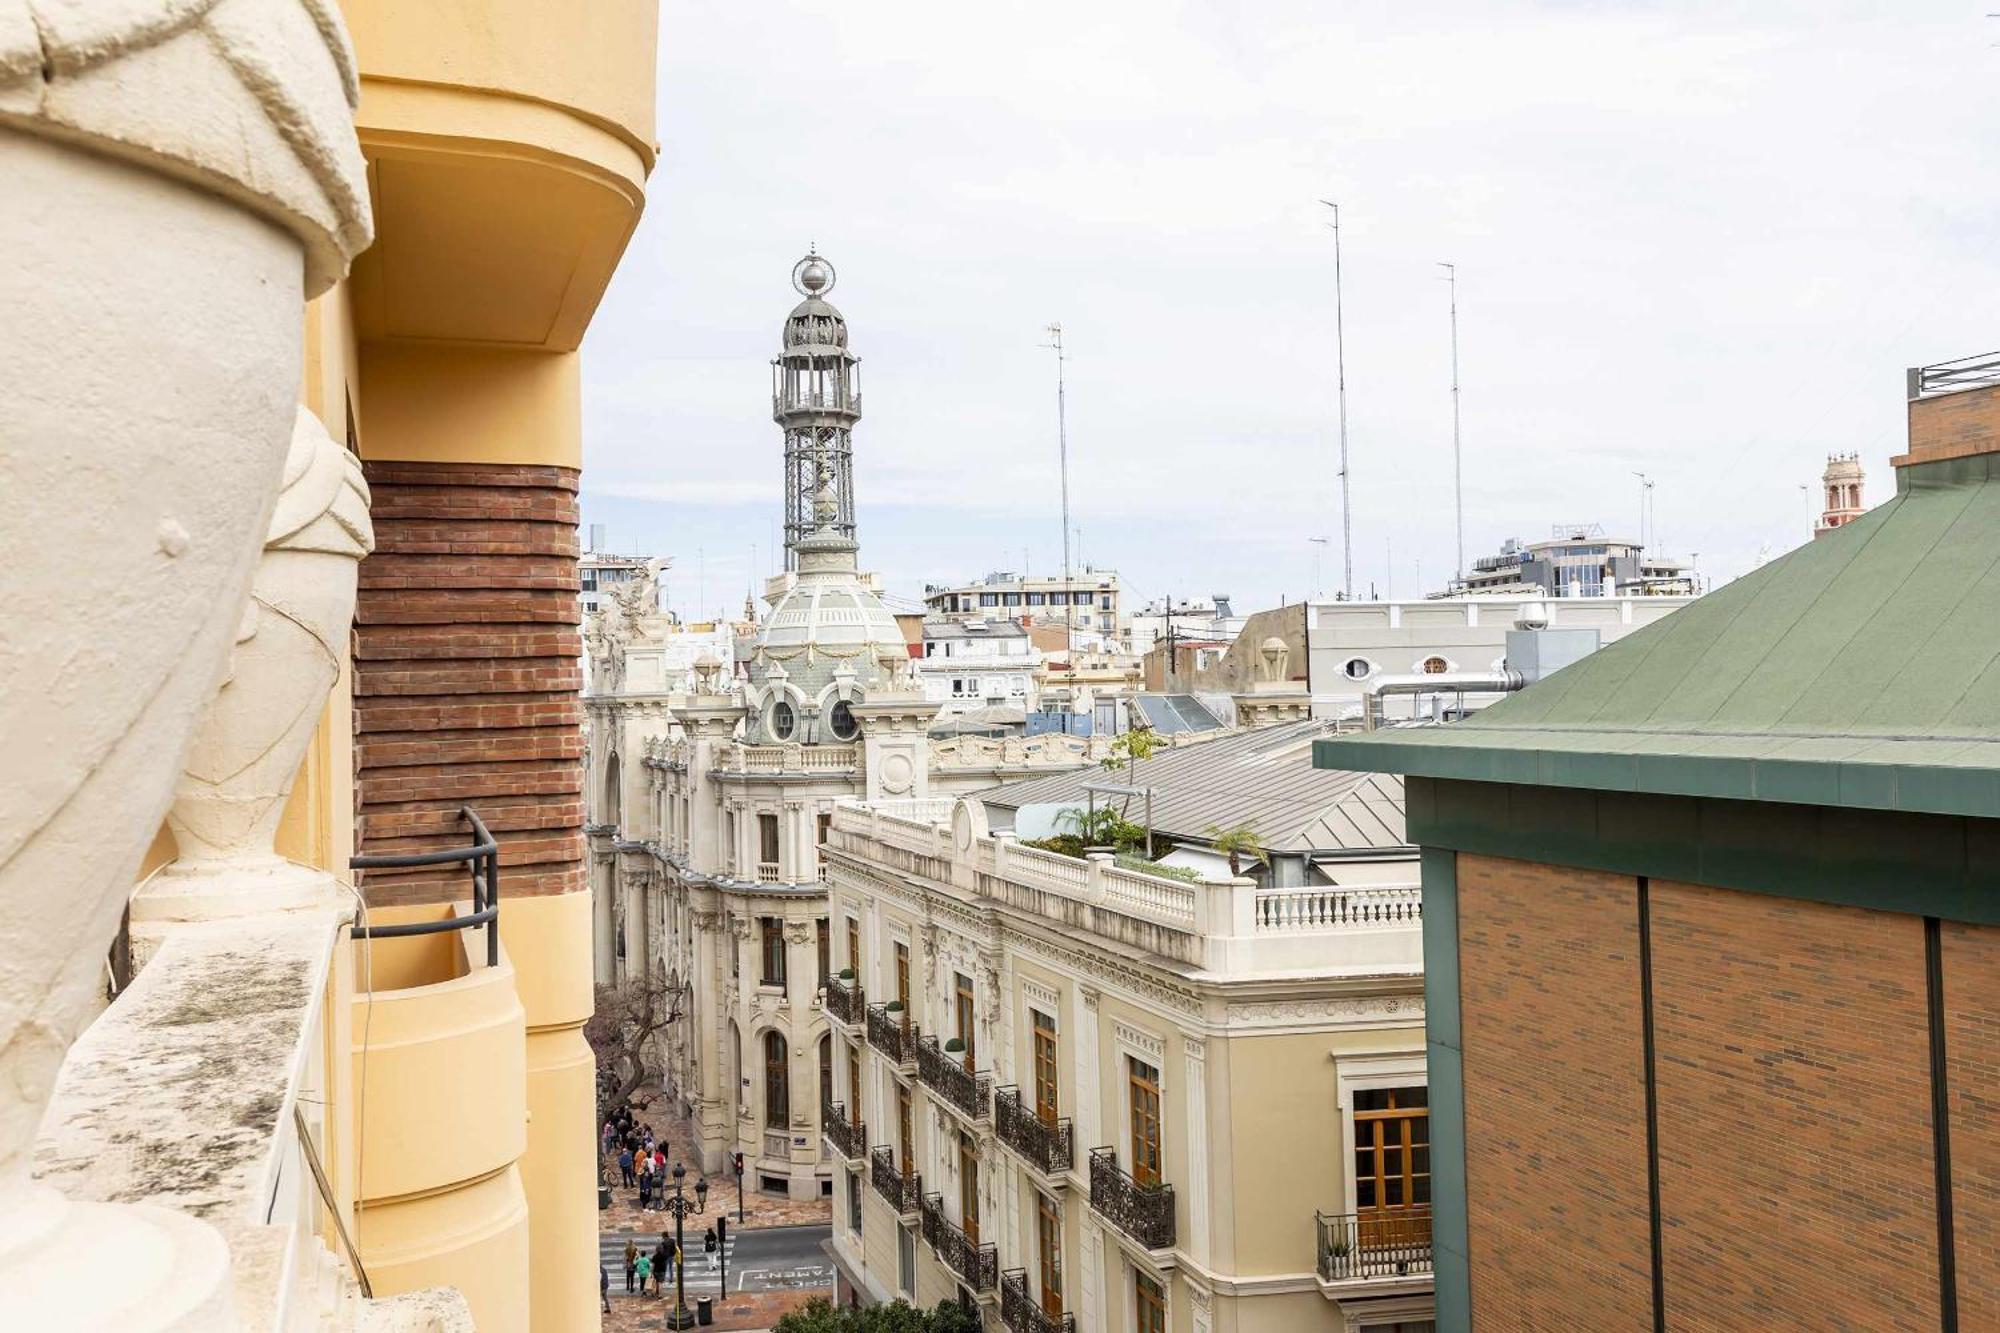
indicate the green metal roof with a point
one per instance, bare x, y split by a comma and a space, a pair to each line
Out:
1862, 669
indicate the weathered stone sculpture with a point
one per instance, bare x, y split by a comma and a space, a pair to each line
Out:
176, 176
232, 792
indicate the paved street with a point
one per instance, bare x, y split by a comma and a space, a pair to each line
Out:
767, 1259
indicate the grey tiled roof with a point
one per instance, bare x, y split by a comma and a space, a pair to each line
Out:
1264, 778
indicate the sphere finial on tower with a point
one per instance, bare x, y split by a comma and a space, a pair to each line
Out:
813, 275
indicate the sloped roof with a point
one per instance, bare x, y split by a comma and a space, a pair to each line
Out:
1264, 778
1862, 669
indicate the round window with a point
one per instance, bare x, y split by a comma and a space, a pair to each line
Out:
783, 720
1435, 666
1356, 668
844, 726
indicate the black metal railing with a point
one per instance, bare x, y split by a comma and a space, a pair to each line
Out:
1968, 372
978, 1264
889, 1034
903, 1191
1374, 1244
850, 1136
482, 859
942, 1071
1145, 1212
1022, 1313
1049, 1146
845, 1002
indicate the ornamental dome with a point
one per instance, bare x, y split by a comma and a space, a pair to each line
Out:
815, 323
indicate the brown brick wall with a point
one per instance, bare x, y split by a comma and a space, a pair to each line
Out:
1793, 1072
1953, 425
1971, 956
1555, 1114
466, 675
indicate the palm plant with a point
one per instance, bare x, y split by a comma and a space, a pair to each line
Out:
1236, 843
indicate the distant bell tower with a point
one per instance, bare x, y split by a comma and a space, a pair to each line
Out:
1842, 483
816, 397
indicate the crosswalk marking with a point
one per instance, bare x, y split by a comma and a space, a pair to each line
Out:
703, 1275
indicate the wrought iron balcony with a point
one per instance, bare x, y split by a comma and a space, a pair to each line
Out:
846, 1001
889, 1034
849, 1136
1374, 1245
1049, 1146
1022, 1313
1143, 1212
903, 1191
941, 1070
978, 1265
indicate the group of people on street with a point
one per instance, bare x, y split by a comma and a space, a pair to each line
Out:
641, 1158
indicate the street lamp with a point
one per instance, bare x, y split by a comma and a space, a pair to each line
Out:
680, 1316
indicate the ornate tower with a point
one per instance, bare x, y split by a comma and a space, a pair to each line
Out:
1842, 482
816, 397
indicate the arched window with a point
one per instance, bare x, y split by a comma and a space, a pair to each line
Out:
845, 727
612, 795
826, 1070
783, 720
777, 1082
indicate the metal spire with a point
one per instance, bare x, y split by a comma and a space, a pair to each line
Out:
1457, 454
1340, 365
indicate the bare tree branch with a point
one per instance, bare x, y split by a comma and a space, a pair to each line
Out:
624, 1034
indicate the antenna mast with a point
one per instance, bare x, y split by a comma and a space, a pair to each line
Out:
1457, 455
1340, 370
1055, 343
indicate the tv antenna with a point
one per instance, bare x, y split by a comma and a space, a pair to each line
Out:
1340, 374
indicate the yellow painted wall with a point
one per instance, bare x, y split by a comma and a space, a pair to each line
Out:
474, 1238
472, 405
593, 57
548, 939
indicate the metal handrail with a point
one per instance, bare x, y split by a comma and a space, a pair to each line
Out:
1967, 372
483, 860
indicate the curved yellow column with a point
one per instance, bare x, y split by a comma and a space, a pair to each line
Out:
439, 1082
548, 939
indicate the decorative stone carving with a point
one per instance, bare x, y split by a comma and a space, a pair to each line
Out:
231, 793
179, 177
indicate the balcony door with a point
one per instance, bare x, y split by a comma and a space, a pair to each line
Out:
962, 1014
1045, 1068
854, 1085
968, 1187
903, 982
1048, 1249
767, 841
1392, 1167
1143, 1087
905, 1138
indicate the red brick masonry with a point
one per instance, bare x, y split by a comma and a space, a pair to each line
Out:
466, 675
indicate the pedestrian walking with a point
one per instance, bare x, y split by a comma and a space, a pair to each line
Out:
645, 1271
663, 1259
709, 1247
603, 1289
646, 1192
625, 1167
631, 1260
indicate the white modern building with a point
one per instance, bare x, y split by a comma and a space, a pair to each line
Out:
1210, 619
1088, 599
974, 664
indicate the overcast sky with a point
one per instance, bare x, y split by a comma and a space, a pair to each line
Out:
1701, 241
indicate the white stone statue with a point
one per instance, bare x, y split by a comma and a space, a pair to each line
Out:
176, 178
289, 643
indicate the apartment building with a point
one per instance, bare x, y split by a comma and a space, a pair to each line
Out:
1074, 1095
1716, 906
1088, 599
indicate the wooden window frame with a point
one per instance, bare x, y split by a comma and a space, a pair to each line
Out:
968, 1187
1145, 1112
771, 942
1384, 1137
962, 1016
1149, 1304
1047, 1066
1048, 1253
824, 943
777, 1082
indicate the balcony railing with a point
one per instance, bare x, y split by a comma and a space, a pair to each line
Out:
1022, 1313
889, 1034
940, 1070
904, 1192
767, 873
482, 859
1050, 1147
1373, 1245
1143, 1212
978, 1265
846, 1001
849, 1136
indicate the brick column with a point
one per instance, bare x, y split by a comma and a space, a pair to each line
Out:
466, 675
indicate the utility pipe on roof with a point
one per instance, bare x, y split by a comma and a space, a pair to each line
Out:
1504, 681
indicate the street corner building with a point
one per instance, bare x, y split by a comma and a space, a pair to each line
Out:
295, 938
1712, 939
